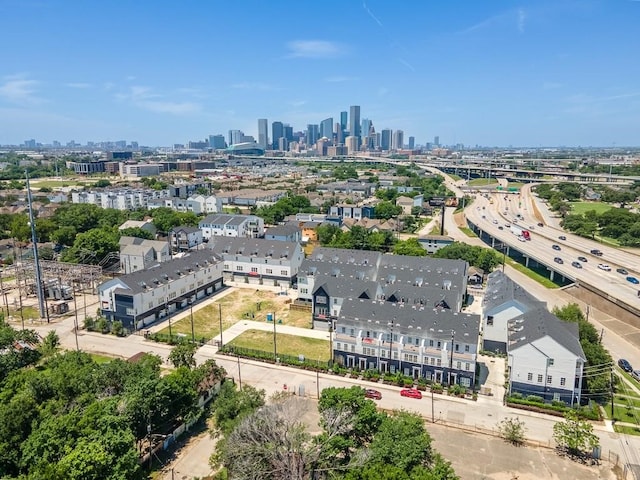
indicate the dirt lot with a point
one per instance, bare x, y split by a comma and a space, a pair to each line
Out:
242, 303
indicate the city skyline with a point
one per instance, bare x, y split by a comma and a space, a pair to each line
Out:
548, 73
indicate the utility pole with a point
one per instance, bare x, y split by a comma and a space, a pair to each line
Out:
75, 309
318, 380
391, 345
239, 375
36, 258
220, 318
6, 302
611, 393
453, 334
275, 349
193, 334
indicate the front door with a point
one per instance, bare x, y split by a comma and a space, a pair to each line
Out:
363, 363
438, 376
383, 366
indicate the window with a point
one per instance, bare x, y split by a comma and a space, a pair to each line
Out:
467, 366
304, 290
254, 269
150, 304
321, 299
549, 362
548, 378
529, 377
343, 330
338, 346
368, 334
490, 320
353, 333
395, 355
226, 266
439, 345
431, 343
432, 361
335, 301
283, 273
238, 268
540, 378
457, 365
563, 381
353, 348
383, 354
439, 362
466, 348
457, 347
269, 271
417, 342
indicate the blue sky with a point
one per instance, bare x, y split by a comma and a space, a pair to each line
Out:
538, 73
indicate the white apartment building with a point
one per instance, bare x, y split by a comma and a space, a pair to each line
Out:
224, 225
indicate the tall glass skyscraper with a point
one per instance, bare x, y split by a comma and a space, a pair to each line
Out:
354, 121
343, 121
326, 128
312, 134
385, 139
277, 132
263, 132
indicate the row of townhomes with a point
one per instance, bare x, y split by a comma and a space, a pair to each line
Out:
393, 313
142, 297
225, 225
544, 353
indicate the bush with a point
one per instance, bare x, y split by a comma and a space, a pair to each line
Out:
437, 388
535, 399
512, 430
89, 324
117, 328
456, 390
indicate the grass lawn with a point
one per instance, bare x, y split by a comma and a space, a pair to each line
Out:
65, 182
544, 281
27, 312
515, 185
467, 231
483, 182
608, 241
626, 430
100, 358
455, 177
243, 303
622, 413
311, 348
582, 207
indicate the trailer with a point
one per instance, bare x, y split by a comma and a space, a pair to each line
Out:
520, 232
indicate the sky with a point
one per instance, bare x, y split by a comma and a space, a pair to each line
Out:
491, 73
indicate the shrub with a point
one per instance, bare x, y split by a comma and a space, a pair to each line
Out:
535, 399
437, 388
512, 430
117, 328
89, 324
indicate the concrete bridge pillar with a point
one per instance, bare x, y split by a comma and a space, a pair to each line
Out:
552, 275
526, 262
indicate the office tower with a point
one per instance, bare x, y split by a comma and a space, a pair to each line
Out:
217, 142
412, 143
288, 132
326, 128
339, 134
277, 132
312, 134
343, 122
436, 141
351, 143
397, 140
30, 143
366, 126
263, 132
235, 137
134, 145
283, 144
378, 139
385, 140
321, 146
354, 122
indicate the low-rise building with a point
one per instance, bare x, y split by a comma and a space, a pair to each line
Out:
139, 254
141, 298
288, 232
356, 212
185, 238
120, 199
544, 353
226, 225
146, 225
433, 243
259, 261
204, 204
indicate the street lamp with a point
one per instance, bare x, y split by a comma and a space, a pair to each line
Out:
275, 349
193, 334
391, 344
220, 318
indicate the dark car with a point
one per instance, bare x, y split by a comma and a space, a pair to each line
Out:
556, 247
371, 393
411, 393
633, 280
596, 252
540, 224
562, 237
558, 260
625, 365
576, 264
582, 259
622, 271
500, 227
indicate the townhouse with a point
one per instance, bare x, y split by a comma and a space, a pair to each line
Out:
225, 225
139, 254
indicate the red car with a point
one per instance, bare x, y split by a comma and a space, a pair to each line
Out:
371, 393
411, 392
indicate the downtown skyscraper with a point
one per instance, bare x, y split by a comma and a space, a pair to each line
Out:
263, 133
354, 122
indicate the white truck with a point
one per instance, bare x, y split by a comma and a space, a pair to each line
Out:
520, 232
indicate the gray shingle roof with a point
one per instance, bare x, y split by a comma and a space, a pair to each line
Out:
501, 289
425, 322
259, 247
539, 323
283, 230
142, 280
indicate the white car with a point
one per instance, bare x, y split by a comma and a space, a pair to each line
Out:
495, 222
522, 239
604, 266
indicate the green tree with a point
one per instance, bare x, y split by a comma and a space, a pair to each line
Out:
93, 246
231, 405
50, 344
410, 246
102, 183
64, 235
136, 232
20, 229
183, 355
386, 210
575, 436
512, 429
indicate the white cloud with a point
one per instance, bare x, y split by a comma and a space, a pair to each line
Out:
298, 103
77, 85
315, 49
19, 89
143, 97
521, 18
